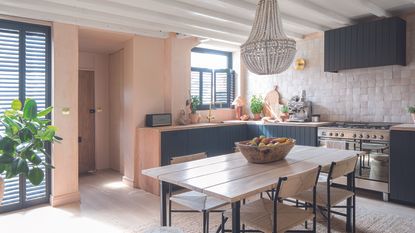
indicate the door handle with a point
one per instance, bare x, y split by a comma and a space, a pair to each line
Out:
92, 111
79, 139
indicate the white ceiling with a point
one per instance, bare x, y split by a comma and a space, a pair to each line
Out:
225, 23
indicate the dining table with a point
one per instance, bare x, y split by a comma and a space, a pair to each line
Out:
232, 178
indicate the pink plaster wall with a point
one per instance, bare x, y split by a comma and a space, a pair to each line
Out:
65, 95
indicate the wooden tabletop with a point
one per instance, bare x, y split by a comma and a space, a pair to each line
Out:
231, 178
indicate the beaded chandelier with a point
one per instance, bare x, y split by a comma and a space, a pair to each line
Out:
268, 49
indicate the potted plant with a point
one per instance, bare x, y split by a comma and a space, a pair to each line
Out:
194, 116
26, 135
411, 110
284, 111
257, 104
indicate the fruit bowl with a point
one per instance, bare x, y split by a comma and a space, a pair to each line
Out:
265, 150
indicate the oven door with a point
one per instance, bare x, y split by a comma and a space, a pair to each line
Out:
339, 143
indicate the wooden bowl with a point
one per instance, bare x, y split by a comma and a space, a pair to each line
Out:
266, 154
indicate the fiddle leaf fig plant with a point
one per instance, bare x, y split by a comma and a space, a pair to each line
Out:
26, 134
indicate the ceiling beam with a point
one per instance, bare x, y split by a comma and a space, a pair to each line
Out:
47, 7
27, 13
374, 9
287, 19
323, 11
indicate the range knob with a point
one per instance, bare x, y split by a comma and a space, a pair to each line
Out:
368, 136
342, 135
323, 133
381, 137
361, 136
330, 134
337, 134
354, 135
374, 136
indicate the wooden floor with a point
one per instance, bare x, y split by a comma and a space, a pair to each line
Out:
109, 206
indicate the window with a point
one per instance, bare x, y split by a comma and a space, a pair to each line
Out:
24, 73
212, 78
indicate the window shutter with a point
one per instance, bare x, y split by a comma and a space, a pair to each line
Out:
24, 73
206, 87
221, 87
35, 88
9, 90
195, 83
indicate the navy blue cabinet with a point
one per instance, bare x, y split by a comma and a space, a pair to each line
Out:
214, 141
306, 136
402, 163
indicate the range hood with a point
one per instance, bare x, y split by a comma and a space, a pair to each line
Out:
377, 43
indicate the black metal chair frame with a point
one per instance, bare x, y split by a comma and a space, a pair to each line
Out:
328, 208
205, 213
273, 195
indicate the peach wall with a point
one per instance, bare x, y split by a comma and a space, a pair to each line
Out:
99, 63
65, 95
116, 70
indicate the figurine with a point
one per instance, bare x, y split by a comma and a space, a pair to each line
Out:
239, 103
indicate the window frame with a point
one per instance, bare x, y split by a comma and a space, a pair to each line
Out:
230, 82
23, 28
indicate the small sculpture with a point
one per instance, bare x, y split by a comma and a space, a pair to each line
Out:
239, 103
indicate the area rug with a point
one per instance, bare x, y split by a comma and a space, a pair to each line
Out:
367, 221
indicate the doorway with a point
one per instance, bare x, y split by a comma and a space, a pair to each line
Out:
86, 114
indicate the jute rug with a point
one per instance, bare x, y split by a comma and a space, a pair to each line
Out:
367, 221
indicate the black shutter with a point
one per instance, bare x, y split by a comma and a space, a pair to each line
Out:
24, 73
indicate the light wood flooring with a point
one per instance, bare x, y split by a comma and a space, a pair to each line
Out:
109, 206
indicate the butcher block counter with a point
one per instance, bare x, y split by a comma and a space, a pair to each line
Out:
156, 146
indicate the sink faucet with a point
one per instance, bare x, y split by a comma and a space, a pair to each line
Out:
210, 117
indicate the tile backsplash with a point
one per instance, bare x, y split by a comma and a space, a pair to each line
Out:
379, 94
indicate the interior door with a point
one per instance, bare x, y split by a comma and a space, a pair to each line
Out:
86, 111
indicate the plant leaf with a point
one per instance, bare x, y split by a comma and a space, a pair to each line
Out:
45, 112
30, 109
34, 158
16, 105
25, 135
20, 166
5, 159
35, 176
8, 145
47, 165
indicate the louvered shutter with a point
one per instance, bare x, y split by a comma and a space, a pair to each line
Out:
35, 88
221, 87
24, 73
9, 90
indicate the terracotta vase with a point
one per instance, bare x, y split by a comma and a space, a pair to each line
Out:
284, 117
1, 189
257, 116
195, 118
413, 117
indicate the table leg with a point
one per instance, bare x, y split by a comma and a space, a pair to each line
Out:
349, 204
236, 217
163, 203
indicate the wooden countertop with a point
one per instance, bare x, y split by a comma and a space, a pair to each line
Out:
404, 127
235, 122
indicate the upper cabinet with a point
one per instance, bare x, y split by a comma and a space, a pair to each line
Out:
377, 43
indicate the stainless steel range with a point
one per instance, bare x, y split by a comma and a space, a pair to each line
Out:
372, 142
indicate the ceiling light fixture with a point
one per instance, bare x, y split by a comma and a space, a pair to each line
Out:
268, 49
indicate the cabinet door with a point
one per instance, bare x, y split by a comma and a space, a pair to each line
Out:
173, 143
402, 162
203, 140
253, 131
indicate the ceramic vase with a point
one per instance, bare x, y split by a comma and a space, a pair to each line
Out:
257, 116
195, 118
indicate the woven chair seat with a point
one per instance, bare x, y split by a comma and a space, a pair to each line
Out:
258, 215
337, 195
197, 201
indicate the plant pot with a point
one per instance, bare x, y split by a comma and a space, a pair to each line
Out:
284, 117
195, 118
257, 116
1, 189
413, 117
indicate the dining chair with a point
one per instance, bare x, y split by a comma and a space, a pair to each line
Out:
329, 197
192, 200
273, 215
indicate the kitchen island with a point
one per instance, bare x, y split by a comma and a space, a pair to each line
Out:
156, 146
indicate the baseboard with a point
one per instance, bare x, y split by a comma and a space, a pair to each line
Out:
127, 181
69, 198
